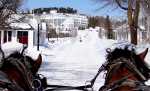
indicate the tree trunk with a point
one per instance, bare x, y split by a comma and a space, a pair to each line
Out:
133, 20
133, 31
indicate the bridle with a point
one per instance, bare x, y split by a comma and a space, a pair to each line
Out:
115, 65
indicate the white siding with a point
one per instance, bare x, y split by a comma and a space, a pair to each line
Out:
30, 39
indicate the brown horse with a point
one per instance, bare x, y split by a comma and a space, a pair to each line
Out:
125, 71
17, 72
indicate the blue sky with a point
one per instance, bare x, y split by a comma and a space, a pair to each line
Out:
83, 6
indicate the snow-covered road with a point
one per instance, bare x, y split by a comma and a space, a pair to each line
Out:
76, 62
68, 61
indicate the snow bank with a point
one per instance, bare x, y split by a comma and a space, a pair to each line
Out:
32, 53
11, 47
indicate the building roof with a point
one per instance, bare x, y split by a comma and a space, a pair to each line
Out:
22, 26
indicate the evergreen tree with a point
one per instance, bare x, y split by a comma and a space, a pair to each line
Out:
59, 10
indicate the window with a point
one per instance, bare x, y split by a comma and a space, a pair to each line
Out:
9, 35
5, 36
22, 37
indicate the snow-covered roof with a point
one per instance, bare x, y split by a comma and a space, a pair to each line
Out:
24, 26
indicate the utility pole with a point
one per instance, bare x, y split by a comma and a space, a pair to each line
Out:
38, 35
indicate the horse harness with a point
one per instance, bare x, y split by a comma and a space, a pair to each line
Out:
115, 65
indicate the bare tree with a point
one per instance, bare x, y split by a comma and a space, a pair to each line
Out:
133, 8
7, 8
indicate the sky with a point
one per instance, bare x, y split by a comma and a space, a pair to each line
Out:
88, 7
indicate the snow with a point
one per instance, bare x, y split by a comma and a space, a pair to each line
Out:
11, 47
20, 25
123, 44
75, 62
142, 27
32, 53
69, 61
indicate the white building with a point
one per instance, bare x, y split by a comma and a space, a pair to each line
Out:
64, 22
24, 29
20, 32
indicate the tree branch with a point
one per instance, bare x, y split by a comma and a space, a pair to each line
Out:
119, 4
7, 8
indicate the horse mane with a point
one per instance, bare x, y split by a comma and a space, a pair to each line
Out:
16, 54
20, 69
129, 54
26, 60
15, 64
